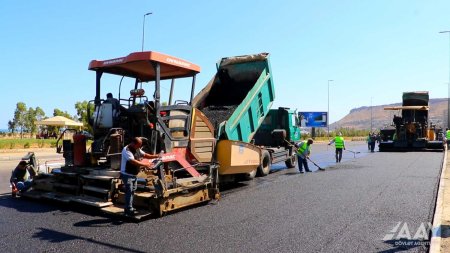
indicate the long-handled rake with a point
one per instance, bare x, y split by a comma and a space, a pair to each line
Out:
354, 152
320, 168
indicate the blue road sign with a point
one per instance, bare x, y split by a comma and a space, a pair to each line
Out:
313, 119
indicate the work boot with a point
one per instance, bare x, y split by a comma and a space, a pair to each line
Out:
130, 212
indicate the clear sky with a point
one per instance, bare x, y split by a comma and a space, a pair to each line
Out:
369, 48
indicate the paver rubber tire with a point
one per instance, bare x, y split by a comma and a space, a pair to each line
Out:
291, 162
264, 168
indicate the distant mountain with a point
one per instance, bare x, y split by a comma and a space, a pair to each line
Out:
359, 118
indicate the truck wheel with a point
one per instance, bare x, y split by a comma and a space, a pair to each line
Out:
264, 167
291, 162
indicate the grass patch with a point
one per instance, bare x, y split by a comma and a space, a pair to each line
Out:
31, 143
26, 143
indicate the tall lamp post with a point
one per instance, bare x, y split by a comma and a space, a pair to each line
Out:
448, 98
143, 30
328, 111
371, 115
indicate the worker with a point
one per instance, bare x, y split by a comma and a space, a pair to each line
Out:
378, 137
111, 100
19, 181
303, 152
368, 140
117, 108
130, 166
373, 139
339, 144
447, 136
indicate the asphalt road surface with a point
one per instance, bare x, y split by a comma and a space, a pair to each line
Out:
350, 207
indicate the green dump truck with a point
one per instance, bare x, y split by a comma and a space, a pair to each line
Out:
237, 102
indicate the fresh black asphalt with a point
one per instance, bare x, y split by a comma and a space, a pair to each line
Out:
348, 208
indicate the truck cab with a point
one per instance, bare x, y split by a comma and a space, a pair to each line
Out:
278, 120
276, 136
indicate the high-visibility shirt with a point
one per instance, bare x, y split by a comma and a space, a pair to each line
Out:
304, 149
339, 142
448, 134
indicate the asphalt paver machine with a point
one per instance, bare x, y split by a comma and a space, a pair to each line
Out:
184, 175
411, 129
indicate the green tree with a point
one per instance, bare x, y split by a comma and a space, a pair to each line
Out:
82, 113
29, 121
32, 116
58, 112
20, 117
11, 126
40, 114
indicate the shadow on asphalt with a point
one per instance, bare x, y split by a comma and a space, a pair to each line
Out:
234, 186
54, 236
97, 223
57, 208
25, 206
292, 173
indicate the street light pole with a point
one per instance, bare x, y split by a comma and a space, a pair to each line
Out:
143, 30
371, 115
328, 110
448, 98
